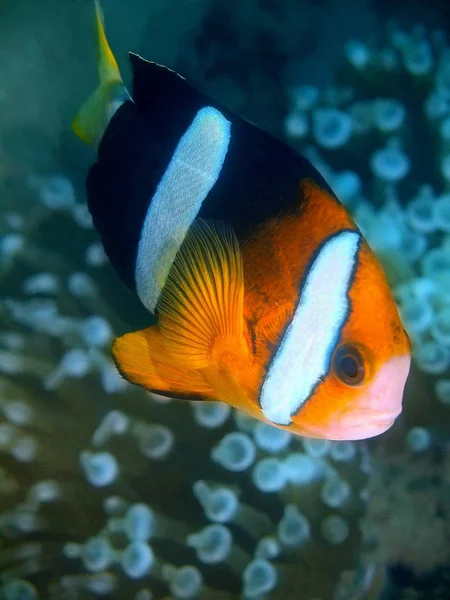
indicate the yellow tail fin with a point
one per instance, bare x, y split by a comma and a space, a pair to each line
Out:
94, 116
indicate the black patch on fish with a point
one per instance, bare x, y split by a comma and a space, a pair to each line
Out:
259, 179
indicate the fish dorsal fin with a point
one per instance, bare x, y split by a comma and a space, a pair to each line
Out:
200, 309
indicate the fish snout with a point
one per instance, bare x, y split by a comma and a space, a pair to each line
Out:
375, 410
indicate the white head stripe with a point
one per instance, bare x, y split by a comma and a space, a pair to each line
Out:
305, 351
190, 175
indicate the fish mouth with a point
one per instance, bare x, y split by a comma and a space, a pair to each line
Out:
363, 418
353, 427
378, 406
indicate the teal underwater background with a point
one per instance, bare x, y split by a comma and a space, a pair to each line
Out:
109, 492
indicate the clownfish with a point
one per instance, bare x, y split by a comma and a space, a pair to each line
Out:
266, 294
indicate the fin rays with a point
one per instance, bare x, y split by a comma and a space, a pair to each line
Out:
142, 358
202, 300
200, 315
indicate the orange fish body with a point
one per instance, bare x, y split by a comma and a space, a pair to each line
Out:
267, 296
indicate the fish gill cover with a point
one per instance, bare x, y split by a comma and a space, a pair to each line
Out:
108, 492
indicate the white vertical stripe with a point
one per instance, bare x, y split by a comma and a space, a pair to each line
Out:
190, 175
305, 351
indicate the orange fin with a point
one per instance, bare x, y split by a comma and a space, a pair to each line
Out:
142, 359
200, 309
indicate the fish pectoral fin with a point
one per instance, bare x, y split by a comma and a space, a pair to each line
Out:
142, 359
93, 117
200, 309
199, 339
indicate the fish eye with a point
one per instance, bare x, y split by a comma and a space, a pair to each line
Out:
349, 365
